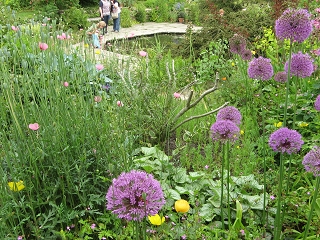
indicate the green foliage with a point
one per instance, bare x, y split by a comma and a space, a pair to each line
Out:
126, 18
141, 15
160, 11
12, 3
75, 18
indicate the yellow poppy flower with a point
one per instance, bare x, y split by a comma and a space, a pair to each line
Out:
303, 124
16, 186
156, 219
181, 206
241, 132
279, 124
86, 45
233, 64
97, 51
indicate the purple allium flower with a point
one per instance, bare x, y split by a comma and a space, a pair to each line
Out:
230, 113
246, 54
260, 68
317, 103
281, 77
311, 161
135, 195
224, 130
285, 140
301, 65
294, 24
237, 44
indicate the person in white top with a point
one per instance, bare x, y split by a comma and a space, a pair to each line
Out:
104, 9
115, 7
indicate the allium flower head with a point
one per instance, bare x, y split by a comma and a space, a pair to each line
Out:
246, 54
311, 161
135, 195
237, 44
317, 103
294, 24
280, 77
301, 65
230, 113
285, 140
224, 130
260, 68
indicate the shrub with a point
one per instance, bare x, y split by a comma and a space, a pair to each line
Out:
141, 15
126, 19
75, 18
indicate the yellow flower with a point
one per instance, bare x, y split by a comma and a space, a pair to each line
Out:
156, 219
98, 51
303, 124
241, 132
181, 206
16, 186
238, 147
224, 78
86, 45
233, 64
253, 52
279, 124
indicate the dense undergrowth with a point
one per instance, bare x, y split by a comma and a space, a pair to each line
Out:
72, 120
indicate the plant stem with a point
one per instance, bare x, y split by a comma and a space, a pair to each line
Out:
228, 181
314, 200
222, 176
287, 88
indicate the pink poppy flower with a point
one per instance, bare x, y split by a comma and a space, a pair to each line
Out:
143, 53
99, 67
66, 84
14, 28
176, 95
120, 104
34, 126
97, 99
43, 46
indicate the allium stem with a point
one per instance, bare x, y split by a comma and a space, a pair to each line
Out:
278, 225
314, 200
228, 181
222, 176
287, 87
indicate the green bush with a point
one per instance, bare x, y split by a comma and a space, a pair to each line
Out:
126, 19
75, 18
141, 15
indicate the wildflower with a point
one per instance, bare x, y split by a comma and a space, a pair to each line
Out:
206, 166
16, 186
14, 28
184, 237
253, 52
272, 197
230, 113
120, 104
99, 67
224, 130
233, 64
285, 140
260, 68
279, 124
156, 219
237, 44
97, 99
303, 124
176, 95
311, 161
294, 24
97, 51
181, 206
317, 103
301, 65
246, 54
86, 45
68, 228
241, 132
143, 53
43, 46
242, 232
135, 195
19, 238
93, 226
224, 78
280, 77
66, 84
34, 126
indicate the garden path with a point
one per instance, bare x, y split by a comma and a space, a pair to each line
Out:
142, 29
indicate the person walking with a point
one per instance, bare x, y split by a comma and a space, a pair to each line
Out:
115, 8
104, 8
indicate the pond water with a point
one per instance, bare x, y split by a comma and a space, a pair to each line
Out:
161, 42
